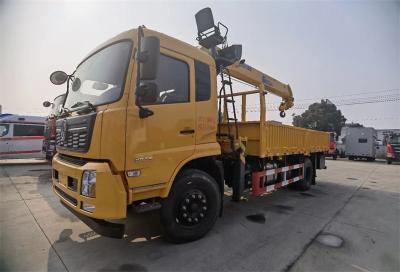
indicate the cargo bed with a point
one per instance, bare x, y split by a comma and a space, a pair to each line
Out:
275, 139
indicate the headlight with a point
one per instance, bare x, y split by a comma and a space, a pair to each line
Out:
88, 187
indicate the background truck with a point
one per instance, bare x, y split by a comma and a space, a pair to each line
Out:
49, 142
144, 126
393, 148
361, 143
333, 151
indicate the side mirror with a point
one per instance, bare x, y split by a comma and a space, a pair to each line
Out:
147, 93
46, 104
149, 57
58, 77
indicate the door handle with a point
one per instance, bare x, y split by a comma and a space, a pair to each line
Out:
187, 131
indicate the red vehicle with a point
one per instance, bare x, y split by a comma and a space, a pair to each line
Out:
332, 145
49, 142
393, 149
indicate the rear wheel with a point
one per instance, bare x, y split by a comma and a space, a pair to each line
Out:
192, 207
308, 176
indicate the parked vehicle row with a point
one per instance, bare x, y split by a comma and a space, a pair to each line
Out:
358, 143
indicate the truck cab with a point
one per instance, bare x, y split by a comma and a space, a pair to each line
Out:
393, 148
332, 146
120, 157
49, 142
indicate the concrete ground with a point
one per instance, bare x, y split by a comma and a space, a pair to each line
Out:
357, 203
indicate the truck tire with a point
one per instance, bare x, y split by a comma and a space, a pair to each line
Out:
192, 206
306, 182
389, 161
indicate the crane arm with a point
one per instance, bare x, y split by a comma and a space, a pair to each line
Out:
255, 77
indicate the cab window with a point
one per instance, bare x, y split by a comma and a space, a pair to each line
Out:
172, 81
203, 84
4, 129
28, 130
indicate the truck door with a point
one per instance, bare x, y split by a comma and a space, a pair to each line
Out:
5, 142
156, 145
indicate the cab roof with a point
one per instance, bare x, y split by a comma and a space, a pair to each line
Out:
166, 42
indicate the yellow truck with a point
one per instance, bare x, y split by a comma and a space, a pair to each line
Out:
145, 126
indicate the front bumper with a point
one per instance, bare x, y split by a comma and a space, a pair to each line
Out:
102, 227
395, 157
332, 152
111, 197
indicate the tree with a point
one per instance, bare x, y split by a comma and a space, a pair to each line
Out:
322, 116
353, 125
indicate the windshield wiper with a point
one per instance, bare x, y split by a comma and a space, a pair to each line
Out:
83, 107
82, 103
64, 112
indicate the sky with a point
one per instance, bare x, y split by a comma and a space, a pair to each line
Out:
323, 49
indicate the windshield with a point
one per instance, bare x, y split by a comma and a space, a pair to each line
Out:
100, 78
56, 106
4, 129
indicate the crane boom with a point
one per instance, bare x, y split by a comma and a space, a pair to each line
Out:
255, 77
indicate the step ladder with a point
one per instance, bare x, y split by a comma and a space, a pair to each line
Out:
228, 99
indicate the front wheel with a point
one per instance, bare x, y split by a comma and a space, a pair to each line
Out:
192, 206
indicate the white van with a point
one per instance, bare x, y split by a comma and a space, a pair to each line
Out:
21, 136
361, 143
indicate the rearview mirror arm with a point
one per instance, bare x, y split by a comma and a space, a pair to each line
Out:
143, 112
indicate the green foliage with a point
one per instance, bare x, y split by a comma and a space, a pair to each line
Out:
354, 125
322, 116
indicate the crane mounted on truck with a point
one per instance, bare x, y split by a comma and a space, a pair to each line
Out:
144, 126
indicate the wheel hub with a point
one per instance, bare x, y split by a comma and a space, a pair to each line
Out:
192, 209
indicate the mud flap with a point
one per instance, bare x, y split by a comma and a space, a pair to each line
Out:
220, 166
101, 227
238, 181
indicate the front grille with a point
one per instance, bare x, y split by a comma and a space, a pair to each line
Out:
76, 138
72, 160
396, 149
65, 196
74, 133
